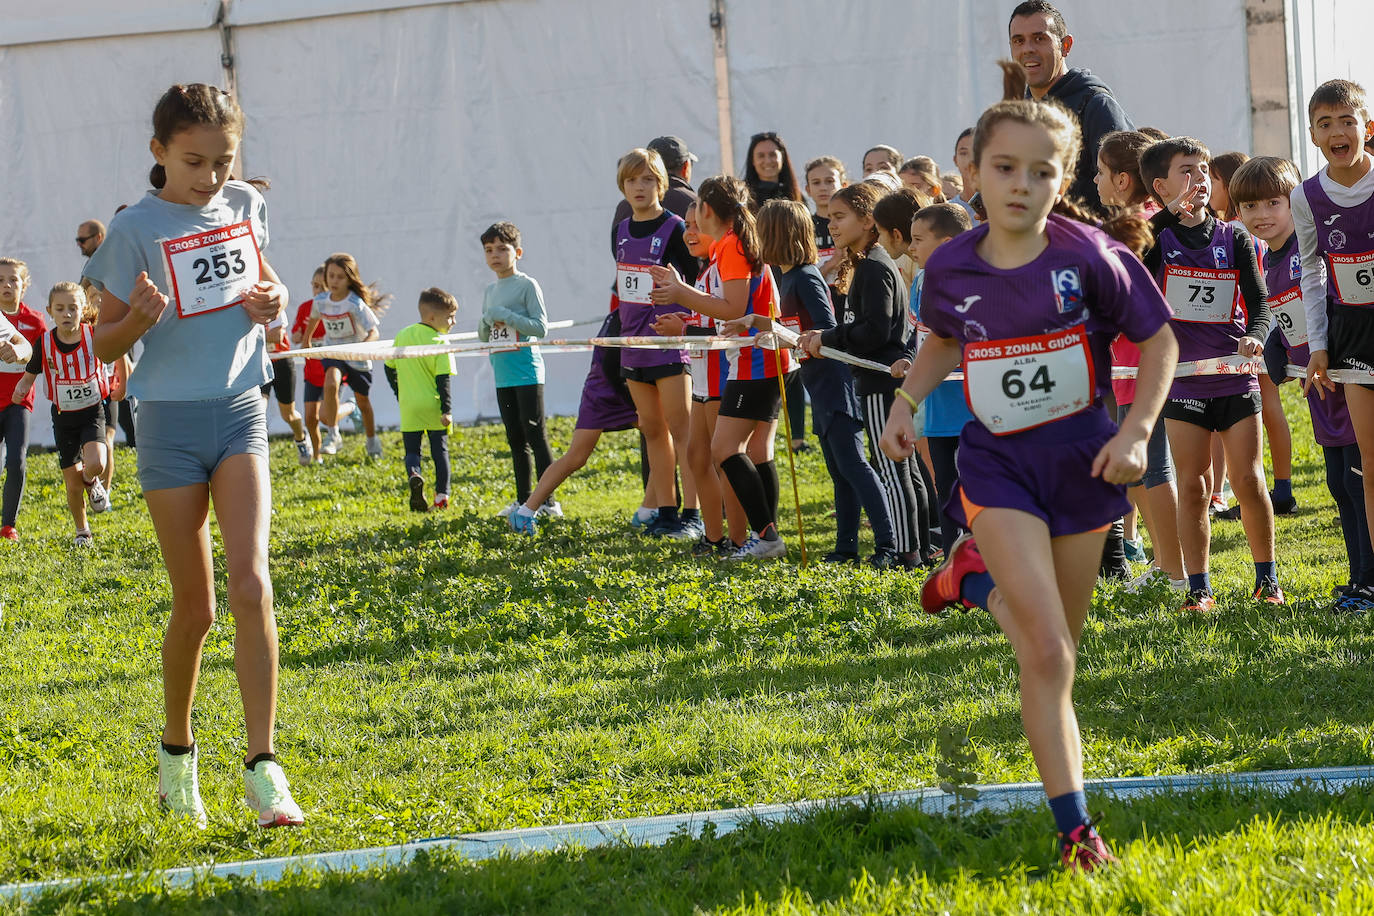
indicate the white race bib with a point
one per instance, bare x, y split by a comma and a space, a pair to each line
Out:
633, 283
339, 328
504, 333
1354, 274
922, 332
77, 395
1288, 313
1201, 294
212, 270
1020, 383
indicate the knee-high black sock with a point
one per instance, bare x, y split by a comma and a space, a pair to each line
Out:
745, 481
643, 461
768, 473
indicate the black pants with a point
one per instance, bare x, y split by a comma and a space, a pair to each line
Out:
127, 408
438, 450
14, 441
944, 450
522, 412
1344, 480
903, 485
796, 406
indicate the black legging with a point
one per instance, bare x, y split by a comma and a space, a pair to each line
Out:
944, 450
1344, 480
522, 412
126, 420
796, 406
14, 439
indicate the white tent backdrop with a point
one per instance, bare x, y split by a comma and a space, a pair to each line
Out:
398, 130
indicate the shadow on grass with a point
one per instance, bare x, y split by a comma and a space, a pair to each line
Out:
822, 857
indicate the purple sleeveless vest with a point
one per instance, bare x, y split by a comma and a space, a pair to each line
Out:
1196, 339
1344, 236
1282, 277
637, 318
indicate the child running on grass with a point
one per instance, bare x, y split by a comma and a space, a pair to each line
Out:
348, 310
78, 385
312, 374
14, 417
1260, 189
512, 311
421, 386
202, 423
1030, 301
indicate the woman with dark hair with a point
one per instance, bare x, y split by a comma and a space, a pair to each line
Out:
768, 171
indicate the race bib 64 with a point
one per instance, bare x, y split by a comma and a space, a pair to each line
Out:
1019, 383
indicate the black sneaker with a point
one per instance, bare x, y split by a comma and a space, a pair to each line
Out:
705, 547
1358, 599
841, 557
1287, 506
418, 503
883, 560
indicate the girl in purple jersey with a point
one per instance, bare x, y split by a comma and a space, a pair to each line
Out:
1031, 301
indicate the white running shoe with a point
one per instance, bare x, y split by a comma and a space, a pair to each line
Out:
84, 539
330, 440
178, 786
100, 500
506, 511
550, 509
303, 452
266, 792
374, 447
1152, 576
755, 548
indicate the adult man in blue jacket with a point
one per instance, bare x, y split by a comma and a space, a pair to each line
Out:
1040, 43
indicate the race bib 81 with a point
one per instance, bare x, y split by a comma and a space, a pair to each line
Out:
633, 283
212, 270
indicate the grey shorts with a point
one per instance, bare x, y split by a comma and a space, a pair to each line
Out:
181, 443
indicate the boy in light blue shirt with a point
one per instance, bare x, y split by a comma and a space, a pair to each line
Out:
513, 312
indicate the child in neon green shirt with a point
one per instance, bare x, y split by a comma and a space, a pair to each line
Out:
421, 386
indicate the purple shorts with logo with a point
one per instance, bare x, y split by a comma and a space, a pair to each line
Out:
1049, 477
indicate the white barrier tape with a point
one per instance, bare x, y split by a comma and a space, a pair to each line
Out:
373, 349
659, 829
391, 342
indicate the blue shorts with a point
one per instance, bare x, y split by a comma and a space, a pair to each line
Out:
182, 443
360, 380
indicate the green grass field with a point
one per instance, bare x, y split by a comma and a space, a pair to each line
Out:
441, 675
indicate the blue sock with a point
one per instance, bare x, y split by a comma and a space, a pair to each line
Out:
1199, 582
1265, 572
1070, 811
1283, 488
975, 589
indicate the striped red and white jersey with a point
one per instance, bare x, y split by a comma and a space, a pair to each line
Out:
76, 379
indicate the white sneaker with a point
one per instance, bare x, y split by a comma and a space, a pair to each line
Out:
178, 786
508, 510
266, 792
84, 539
330, 440
374, 447
304, 454
100, 500
755, 548
550, 509
1152, 576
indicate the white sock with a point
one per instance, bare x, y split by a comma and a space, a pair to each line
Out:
439, 496
525, 511
644, 513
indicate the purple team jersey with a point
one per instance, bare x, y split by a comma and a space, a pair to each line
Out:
633, 258
1345, 239
1283, 278
1037, 363
1202, 287
1043, 329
